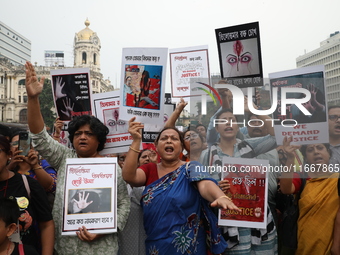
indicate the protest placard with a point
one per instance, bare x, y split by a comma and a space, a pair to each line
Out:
142, 85
295, 91
188, 66
240, 54
90, 195
106, 108
248, 190
71, 92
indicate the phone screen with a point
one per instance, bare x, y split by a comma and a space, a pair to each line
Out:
24, 143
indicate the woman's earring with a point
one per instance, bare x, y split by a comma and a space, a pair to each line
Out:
9, 161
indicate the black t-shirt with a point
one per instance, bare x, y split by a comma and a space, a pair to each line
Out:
28, 250
33, 210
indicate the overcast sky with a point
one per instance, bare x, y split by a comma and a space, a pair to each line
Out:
288, 28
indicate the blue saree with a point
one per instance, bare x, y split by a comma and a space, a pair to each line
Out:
175, 214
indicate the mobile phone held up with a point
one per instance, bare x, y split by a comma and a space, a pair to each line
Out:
24, 143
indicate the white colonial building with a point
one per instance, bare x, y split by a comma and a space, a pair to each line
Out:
13, 97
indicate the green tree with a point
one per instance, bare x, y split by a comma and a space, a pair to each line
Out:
47, 104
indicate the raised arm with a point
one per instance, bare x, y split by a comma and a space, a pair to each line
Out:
33, 89
286, 180
131, 173
45, 179
175, 115
58, 125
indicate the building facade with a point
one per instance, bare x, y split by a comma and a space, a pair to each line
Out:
328, 54
13, 46
86, 49
13, 97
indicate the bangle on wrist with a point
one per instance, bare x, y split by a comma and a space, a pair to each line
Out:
137, 151
226, 197
36, 168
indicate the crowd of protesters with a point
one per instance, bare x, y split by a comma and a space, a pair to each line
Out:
164, 206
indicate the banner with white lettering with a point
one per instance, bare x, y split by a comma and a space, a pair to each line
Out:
143, 84
188, 66
106, 108
90, 196
300, 98
71, 91
240, 54
248, 190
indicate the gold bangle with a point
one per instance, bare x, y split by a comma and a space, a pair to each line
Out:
225, 197
137, 151
39, 167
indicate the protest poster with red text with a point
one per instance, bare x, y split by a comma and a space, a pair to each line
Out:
300, 98
90, 195
189, 66
248, 190
106, 108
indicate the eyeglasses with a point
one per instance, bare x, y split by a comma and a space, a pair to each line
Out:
15, 143
333, 117
192, 135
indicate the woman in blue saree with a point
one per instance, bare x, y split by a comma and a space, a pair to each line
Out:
176, 198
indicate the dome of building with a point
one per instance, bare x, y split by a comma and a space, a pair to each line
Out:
86, 33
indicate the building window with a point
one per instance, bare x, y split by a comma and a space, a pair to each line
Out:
25, 99
19, 99
84, 58
21, 82
23, 116
95, 58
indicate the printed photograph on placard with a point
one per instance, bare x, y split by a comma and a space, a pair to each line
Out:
89, 200
314, 82
142, 87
